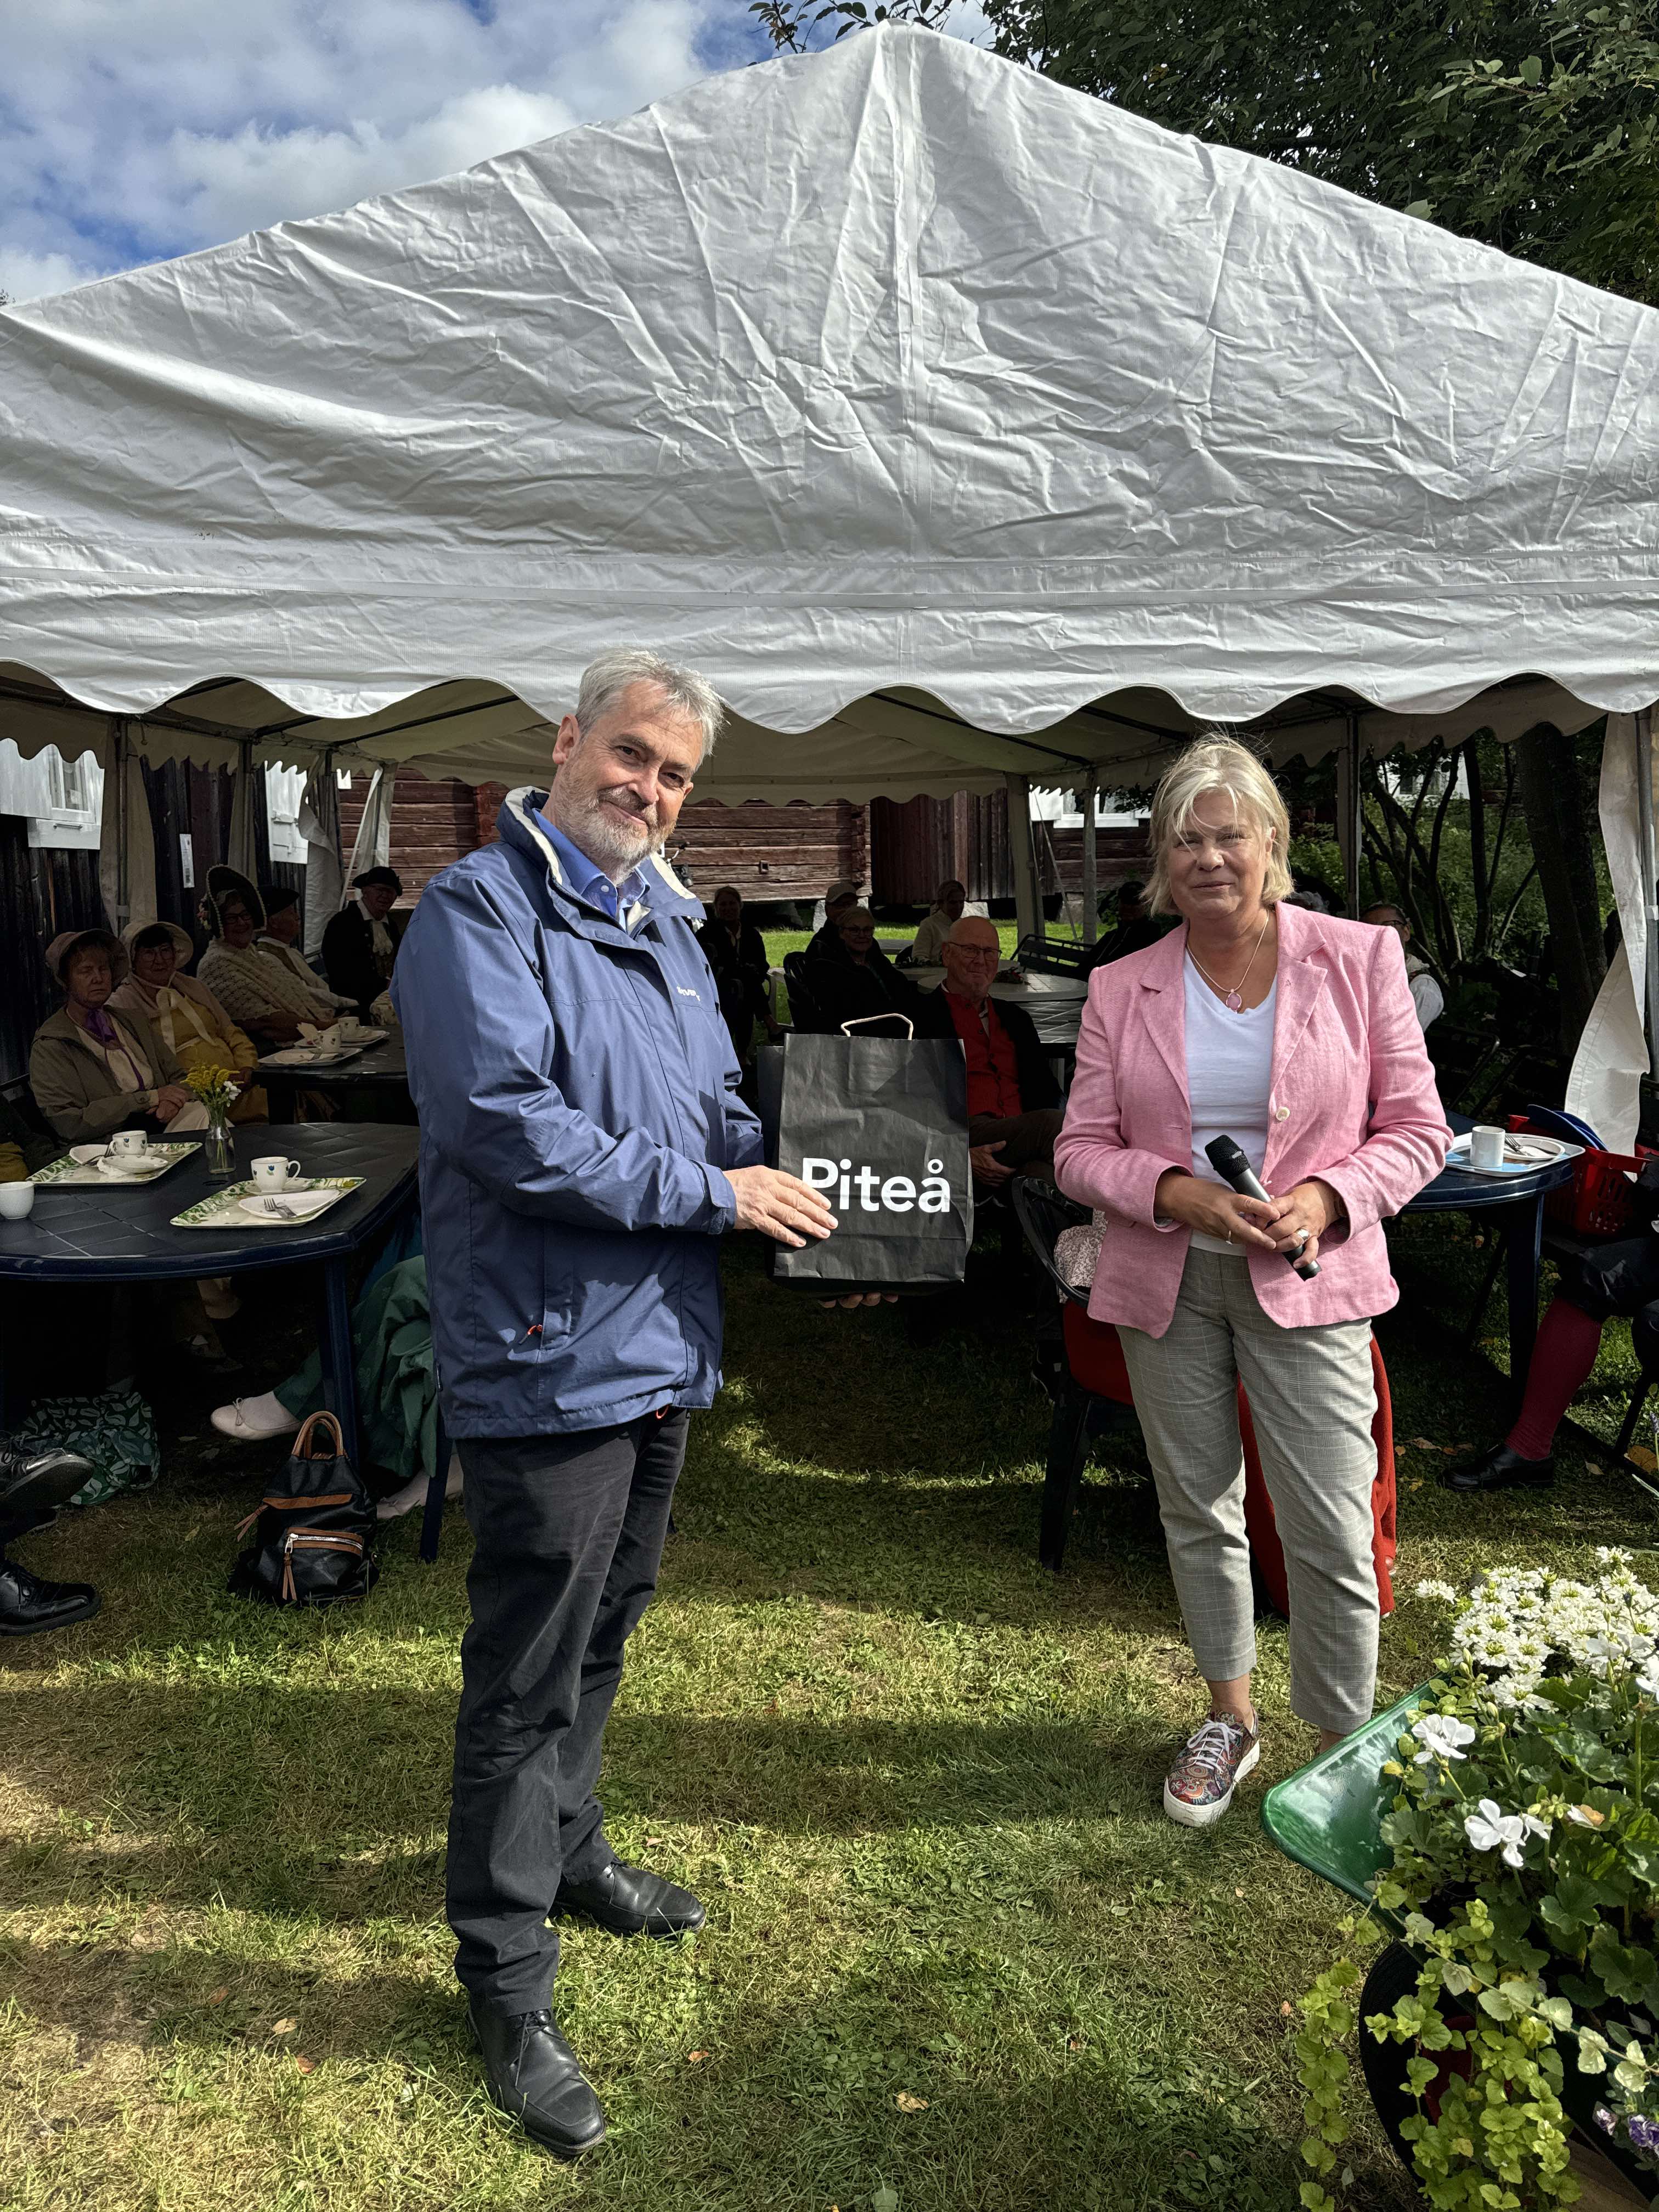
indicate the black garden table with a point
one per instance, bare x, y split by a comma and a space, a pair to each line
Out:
1517, 1202
97, 1236
382, 1073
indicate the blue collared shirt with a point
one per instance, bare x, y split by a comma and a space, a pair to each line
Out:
587, 879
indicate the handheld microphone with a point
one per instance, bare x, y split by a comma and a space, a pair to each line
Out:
1230, 1164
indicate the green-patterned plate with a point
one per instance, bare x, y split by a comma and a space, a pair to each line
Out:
222, 1209
84, 1174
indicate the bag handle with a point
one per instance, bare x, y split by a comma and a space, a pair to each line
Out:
302, 1442
859, 1021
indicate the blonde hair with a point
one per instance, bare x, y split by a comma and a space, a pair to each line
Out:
1213, 762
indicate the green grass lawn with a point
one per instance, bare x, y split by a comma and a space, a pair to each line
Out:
955, 1956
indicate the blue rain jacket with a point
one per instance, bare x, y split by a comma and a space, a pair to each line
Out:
577, 1094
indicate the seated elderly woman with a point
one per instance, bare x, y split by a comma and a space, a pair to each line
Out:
280, 941
261, 993
94, 1070
184, 1012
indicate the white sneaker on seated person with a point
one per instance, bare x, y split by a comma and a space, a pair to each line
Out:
413, 1492
254, 1420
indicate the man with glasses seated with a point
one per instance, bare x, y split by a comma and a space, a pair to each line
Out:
1013, 1101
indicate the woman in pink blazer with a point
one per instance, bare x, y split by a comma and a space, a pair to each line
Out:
1294, 1034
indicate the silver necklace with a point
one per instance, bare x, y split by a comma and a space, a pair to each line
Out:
1232, 998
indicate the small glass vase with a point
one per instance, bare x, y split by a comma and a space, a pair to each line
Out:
219, 1150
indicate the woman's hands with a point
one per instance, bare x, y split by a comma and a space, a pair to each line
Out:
1294, 1222
1297, 1221
171, 1099
1213, 1209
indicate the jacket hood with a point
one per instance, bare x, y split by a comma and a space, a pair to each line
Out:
519, 825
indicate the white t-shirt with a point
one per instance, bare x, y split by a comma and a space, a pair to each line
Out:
1229, 1065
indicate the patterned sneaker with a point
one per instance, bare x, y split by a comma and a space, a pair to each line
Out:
1200, 1786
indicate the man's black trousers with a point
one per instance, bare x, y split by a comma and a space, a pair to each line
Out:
568, 1533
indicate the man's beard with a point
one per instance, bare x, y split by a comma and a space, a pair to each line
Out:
611, 843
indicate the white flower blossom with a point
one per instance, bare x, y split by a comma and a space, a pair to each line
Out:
1443, 1591
1440, 1737
1491, 1829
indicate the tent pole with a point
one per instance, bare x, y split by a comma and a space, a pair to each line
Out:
1091, 864
1028, 908
1349, 811
1643, 719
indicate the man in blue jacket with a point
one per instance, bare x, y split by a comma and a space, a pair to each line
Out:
583, 1149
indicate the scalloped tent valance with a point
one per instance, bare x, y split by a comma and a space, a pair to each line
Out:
924, 404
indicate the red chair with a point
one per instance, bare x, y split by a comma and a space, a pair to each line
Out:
1095, 1374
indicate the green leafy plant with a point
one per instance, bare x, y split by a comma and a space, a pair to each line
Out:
1524, 1836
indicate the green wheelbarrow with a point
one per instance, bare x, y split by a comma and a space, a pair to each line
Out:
1328, 1817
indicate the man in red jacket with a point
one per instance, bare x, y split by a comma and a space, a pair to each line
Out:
1013, 1101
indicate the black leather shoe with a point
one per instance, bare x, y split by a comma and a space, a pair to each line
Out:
1501, 1469
28, 1607
631, 1901
38, 1481
534, 2075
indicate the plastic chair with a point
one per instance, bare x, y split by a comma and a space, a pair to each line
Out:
1096, 1373
1094, 1363
804, 1009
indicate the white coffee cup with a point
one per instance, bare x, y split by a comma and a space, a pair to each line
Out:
129, 1145
1487, 1146
275, 1173
16, 1201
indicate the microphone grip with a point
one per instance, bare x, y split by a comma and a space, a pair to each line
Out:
1226, 1157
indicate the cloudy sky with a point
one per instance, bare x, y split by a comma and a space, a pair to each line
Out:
134, 130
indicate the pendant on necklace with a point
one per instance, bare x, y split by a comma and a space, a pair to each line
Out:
1233, 1000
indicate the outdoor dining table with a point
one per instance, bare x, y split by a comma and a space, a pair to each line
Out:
1513, 1205
381, 1071
98, 1236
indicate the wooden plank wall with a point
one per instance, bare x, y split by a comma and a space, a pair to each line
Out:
433, 825
794, 852
916, 844
789, 852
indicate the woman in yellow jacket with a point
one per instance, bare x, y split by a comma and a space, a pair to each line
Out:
184, 1013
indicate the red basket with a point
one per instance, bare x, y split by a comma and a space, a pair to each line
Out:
1598, 1202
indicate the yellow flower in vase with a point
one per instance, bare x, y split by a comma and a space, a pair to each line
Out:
217, 1089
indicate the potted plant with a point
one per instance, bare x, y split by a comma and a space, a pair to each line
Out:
1522, 1876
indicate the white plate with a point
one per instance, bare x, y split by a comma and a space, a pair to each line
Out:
297, 1205
81, 1167
1523, 1154
310, 1056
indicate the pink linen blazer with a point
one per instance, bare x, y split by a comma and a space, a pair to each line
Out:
1352, 1101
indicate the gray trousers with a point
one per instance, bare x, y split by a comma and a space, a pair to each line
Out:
1312, 1401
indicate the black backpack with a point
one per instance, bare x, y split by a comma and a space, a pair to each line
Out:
315, 1521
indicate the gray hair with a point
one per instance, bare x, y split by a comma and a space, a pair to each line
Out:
609, 675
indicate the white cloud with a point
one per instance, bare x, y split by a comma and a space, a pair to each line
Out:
32, 276
132, 130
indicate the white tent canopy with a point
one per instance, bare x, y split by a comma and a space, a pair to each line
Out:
956, 425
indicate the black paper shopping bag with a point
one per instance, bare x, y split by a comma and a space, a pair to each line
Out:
879, 1125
